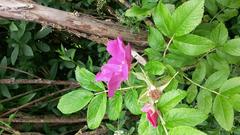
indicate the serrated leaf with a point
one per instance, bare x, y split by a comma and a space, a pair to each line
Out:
231, 86
115, 106
193, 45
187, 17
136, 11
200, 72
155, 67
191, 93
223, 112
185, 130
155, 39
74, 101
87, 80
204, 101
184, 117
216, 80
232, 47
170, 99
131, 102
219, 34
230, 3
96, 110
234, 100
43, 32
163, 19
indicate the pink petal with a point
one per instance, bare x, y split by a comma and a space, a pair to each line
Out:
116, 48
147, 107
114, 84
125, 71
106, 72
153, 118
128, 55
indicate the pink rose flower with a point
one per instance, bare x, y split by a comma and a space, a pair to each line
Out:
117, 68
152, 114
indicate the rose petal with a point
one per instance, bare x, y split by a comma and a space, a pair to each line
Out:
116, 48
114, 84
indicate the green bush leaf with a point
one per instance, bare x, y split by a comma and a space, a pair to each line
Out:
5, 91
170, 99
191, 93
115, 106
163, 19
87, 80
193, 45
187, 17
217, 79
136, 11
185, 130
131, 102
184, 117
230, 3
155, 67
200, 72
96, 110
223, 112
204, 101
219, 34
14, 54
74, 101
231, 86
3, 63
27, 50
232, 47
43, 32
155, 39
234, 100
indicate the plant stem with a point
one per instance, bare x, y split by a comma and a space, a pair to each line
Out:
200, 85
169, 43
121, 89
163, 124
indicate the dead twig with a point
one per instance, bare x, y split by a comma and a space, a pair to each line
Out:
38, 100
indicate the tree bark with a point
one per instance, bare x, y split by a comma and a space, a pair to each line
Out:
81, 24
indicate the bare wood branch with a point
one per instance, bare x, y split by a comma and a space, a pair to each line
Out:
92, 28
38, 81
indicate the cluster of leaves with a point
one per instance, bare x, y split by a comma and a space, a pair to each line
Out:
192, 39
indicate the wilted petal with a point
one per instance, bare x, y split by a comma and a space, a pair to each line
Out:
152, 114
128, 55
114, 84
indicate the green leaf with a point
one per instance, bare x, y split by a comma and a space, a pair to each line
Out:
74, 101
231, 86
131, 102
223, 113
170, 99
43, 32
217, 79
187, 17
232, 47
155, 39
217, 62
14, 54
4, 91
163, 19
96, 110
211, 6
87, 80
219, 34
145, 128
200, 72
13, 27
193, 45
185, 130
3, 64
27, 50
153, 54
155, 67
230, 3
136, 11
204, 101
184, 117
115, 106
43, 46
234, 100
191, 93
25, 99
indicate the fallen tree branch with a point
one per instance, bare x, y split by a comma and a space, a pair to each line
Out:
80, 24
38, 81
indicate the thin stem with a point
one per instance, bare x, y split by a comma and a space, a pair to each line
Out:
201, 85
169, 43
121, 89
217, 14
163, 123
